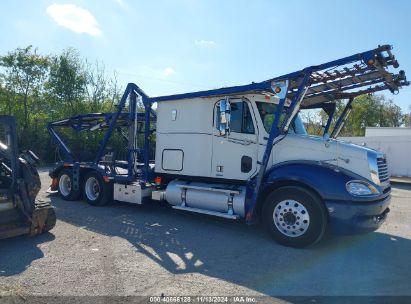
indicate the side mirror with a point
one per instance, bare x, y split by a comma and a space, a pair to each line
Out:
224, 116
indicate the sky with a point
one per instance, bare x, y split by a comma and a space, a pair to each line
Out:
168, 47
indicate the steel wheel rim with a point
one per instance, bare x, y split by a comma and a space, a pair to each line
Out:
65, 185
92, 188
291, 218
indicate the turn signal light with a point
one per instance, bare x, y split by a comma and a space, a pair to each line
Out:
370, 61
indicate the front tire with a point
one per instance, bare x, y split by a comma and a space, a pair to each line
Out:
294, 216
96, 191
66, 187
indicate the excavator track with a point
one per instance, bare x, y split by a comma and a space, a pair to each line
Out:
43, 218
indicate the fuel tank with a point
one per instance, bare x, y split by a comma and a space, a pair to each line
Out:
207, 196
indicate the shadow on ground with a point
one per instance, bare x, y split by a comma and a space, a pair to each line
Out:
375, 263
402, 186
16, 254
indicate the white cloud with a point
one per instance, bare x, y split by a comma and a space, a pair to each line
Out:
205, 43
168, 71
75, 18
121, 3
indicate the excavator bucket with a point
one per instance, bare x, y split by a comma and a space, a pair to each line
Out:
20, 212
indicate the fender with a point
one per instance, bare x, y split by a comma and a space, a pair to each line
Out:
327, 180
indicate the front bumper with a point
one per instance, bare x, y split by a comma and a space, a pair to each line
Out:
357, 217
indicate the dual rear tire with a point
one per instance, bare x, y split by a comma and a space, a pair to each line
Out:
66, 186
96, 191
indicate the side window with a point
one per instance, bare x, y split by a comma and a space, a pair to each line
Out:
241, 120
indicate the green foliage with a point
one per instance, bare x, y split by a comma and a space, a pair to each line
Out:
67, 81
23, 78
37, 89
407, 118
367, 111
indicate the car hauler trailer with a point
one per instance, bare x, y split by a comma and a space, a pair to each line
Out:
242, 152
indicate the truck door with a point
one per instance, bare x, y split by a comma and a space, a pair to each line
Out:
235, 153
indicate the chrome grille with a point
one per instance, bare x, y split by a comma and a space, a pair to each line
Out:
383, 174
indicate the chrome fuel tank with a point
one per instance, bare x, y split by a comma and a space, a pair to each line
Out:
207, 196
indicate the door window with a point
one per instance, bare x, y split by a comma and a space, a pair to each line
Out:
241, 120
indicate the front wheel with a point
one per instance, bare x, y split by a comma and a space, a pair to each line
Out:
96, 191
294, 216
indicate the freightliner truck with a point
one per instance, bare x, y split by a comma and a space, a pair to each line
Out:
242, 152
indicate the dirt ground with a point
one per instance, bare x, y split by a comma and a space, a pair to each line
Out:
153, 250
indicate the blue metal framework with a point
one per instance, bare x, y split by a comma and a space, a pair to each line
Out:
314, 86
111, 122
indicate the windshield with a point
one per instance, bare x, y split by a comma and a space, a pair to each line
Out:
267, 112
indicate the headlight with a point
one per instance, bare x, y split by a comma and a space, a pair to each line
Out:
360, 188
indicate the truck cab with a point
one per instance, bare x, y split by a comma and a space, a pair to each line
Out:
193, 149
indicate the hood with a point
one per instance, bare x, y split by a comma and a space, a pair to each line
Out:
340, 153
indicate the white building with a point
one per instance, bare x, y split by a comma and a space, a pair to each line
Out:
394, 142
387, 131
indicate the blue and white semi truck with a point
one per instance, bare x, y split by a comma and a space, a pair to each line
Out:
242, 152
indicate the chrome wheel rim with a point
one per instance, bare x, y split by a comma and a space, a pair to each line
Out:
291, 218
92, 188
65, 185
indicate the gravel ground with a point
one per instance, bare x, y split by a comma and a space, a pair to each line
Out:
153, 250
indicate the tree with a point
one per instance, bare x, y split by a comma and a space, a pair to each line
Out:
24, 74
102, 91
407, 118
37, 89
67, 82
367, 111
312, 121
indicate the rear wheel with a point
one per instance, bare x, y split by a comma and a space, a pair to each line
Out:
294, 216
66, 187
96, 191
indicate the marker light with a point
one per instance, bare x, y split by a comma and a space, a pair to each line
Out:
280, 88
157, 180
370, 61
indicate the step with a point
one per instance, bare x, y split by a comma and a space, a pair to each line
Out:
208, 212
211, 189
